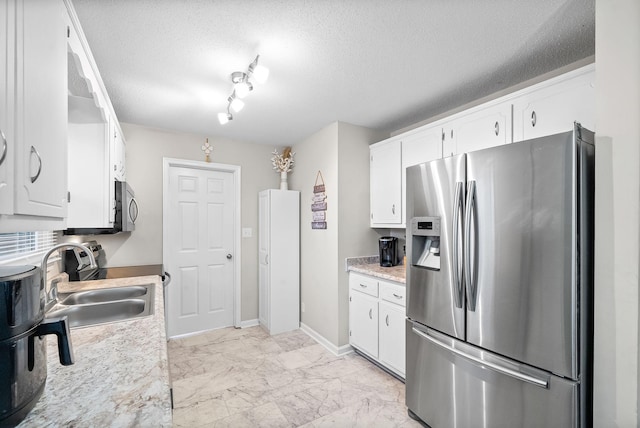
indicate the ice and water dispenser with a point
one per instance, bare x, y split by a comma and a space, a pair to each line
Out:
425, 243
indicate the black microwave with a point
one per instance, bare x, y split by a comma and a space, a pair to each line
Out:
126, 213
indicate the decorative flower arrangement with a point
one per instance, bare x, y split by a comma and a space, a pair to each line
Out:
283, 162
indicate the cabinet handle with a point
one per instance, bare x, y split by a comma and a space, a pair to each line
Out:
534, 118
387, 321
35, 152
266, 259
363, 286
370, 314
393, 209
4, 147
497, 128
133, 215
397, 296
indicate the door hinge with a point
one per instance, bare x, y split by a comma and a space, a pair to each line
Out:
68, 32
349, 298
69, 197
349, 333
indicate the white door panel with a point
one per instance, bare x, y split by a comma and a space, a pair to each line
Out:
201, 227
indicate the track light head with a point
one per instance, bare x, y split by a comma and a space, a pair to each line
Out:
224, 118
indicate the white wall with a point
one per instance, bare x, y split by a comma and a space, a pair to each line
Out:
318, 248
145, 149
341, 152
355, 237
617, 213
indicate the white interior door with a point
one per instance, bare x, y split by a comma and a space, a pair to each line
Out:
200, 249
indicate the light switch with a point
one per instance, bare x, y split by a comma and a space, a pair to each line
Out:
247, 232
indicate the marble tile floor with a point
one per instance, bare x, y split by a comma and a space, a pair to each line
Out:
247, 378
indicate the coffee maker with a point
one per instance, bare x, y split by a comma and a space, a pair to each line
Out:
388, 251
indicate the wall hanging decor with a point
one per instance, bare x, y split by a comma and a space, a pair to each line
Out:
283, 163
319, 204
207, 149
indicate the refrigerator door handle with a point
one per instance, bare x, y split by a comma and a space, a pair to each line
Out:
458, 201
470, 276
542, 383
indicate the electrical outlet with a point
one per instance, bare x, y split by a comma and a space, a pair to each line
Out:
247, 232
302, 307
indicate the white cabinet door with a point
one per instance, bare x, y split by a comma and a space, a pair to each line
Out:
418, 148
279, 260
264, 289
7, 139
391, 344
553, 108
118, 150
363, 322
386, 183
482, 129
41, 108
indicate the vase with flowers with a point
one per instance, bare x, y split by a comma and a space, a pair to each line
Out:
283, 163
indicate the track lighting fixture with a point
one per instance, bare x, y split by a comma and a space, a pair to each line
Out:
242, 86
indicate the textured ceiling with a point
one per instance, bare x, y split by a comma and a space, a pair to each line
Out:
375, 63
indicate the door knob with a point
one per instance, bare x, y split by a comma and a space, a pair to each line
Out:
229, 256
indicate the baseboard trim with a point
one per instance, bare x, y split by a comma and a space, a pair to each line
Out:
335, 350
249, 323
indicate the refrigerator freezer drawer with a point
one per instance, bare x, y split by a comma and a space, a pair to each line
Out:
458, 385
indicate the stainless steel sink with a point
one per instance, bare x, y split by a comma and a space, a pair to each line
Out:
105, 305
104, 295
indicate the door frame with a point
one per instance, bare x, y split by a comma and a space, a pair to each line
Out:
168, 163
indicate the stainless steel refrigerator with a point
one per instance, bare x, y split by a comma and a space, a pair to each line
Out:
500, 285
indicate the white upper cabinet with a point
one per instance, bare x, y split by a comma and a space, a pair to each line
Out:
418, 147
551, 107
480, 129
386, 183
41, 108
96, 144
7, 139
33, 115
543, 109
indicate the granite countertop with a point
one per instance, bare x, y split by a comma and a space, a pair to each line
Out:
370, 265
121, 373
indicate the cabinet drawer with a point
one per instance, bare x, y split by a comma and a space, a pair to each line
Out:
364, 284
393, 293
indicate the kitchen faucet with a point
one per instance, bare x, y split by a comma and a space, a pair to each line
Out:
53, 293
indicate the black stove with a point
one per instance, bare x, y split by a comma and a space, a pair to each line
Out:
78, 266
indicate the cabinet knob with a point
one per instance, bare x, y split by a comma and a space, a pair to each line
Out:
534, 118
497, 128
37, 174
229, 256
4, 147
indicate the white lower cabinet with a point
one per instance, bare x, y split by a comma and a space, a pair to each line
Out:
377, 320
391, 337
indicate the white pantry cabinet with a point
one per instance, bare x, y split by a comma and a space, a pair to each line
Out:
377, 320
386, 183
279, 260
34, 168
